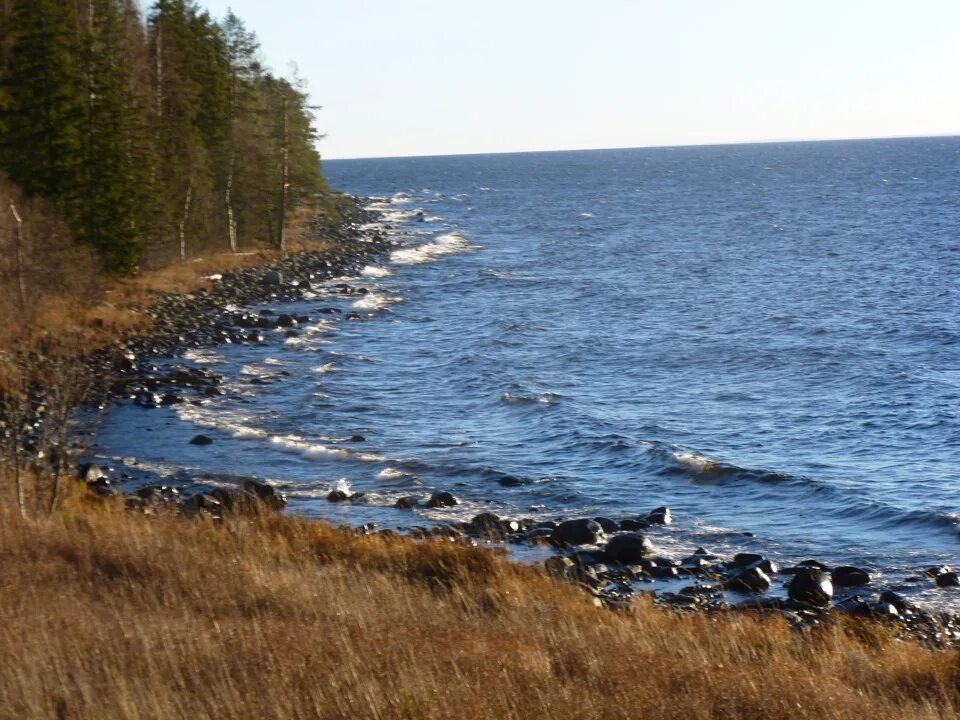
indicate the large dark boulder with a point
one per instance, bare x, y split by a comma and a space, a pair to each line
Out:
442, 500
811, 585
577, 532
266, 494
660, 516
846, 576
751, 580
629, 548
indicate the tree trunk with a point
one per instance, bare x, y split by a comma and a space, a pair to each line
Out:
21, 277
183, 222
231, 221
284, 174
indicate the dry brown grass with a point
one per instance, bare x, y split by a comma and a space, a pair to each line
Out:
105, 615
109, 309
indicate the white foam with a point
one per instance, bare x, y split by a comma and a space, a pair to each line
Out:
390, 474
326, 368
694, 462
372, 271
444, 245
203, 357
375, 301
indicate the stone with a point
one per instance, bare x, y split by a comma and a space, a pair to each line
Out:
608, 525
846, 576
660, 516
751, 580
560, 567
286, 321
408, 502
336, 496
90, 472
947, 579
201, 440
632, 524
509, 481
442, 500
577, 532
487, 524
629, 548
746, 559
811, 585
266, 494
273, 277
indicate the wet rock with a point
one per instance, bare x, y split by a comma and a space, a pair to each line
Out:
442, 500
90, 472
608, 525
487, 524
846, 576
336, 496
356, 439
201, 440
632, 524
509, 481
746, 559
407, 502
286, 321
811, 585
561, 568
629, 548
660, 516
947, 579
898, 601
266, 494
577, 532
752, 580
273, 278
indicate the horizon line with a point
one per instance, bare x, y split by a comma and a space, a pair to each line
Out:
648, 147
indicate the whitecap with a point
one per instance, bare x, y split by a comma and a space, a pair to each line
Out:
372, 271
375, 301
444, 245
694, 462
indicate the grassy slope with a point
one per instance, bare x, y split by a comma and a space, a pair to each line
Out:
105, 615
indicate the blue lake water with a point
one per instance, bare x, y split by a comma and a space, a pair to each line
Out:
763, 337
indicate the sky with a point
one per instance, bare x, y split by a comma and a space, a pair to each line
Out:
425, 77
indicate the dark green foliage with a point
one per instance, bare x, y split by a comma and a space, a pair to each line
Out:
163, 134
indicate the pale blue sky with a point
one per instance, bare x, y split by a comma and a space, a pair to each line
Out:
425, 77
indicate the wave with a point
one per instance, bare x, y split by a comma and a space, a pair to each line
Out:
375, 301
237, 428
372, 271
449, 244
670, 460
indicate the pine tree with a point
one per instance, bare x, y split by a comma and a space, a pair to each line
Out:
113, 179
43, 149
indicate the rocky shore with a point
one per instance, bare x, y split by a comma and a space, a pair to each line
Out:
614, 560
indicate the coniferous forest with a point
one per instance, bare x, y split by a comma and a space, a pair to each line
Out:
153, 135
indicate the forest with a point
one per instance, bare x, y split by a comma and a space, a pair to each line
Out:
132, 138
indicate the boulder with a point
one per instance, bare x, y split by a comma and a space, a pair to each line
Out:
846, 576
632, 524
577, 532
811, 585
746, 559
608, 525
629, 548
751, 580
442, 500
660, 516
947, 579
266, 494
201, 440
273, 277
560, 567
336, 496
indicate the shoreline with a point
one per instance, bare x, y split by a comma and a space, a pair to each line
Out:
611, 559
